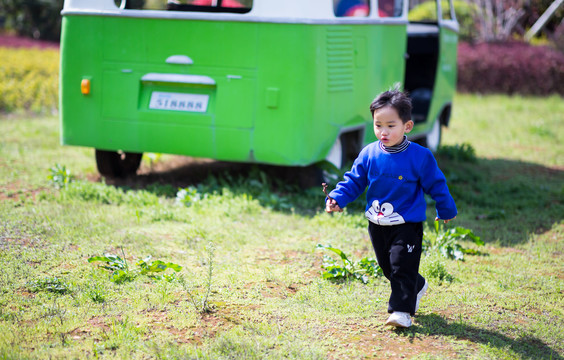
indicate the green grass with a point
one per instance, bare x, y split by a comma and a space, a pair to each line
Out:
267, 298
518, 178
516, 129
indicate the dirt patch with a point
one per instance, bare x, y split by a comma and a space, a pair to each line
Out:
274, 289
208, 325
378, 341
98, 322
8, 242
14, 192
78, 334
156, 316
25, 293
94, 325
277, 289
380, 347
72, 247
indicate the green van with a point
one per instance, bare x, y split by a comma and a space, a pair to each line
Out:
275, 82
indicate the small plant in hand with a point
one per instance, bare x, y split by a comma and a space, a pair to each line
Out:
362, 270
331, 203
445, 242
120, 271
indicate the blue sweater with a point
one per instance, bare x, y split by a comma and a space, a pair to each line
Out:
396, 183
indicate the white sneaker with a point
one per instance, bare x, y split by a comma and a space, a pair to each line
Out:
420, 294
399, 319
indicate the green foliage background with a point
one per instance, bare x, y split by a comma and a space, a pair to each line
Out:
464, 11
38, 19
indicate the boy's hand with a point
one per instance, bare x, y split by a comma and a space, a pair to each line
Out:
445, 221
331, 206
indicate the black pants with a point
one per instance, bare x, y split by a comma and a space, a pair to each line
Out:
398, 251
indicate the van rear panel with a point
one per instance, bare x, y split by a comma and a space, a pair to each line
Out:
276, 93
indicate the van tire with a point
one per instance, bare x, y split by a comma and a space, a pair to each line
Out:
113, 164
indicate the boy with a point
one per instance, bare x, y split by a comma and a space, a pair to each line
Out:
397, 174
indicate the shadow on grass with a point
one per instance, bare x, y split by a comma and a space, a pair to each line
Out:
529, 348
192, 172
285, 189
503, 201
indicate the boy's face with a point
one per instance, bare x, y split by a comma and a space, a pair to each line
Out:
388, 127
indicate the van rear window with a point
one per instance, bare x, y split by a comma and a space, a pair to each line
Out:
361, 8
232, 6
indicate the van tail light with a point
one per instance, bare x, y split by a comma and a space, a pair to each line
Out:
85, 86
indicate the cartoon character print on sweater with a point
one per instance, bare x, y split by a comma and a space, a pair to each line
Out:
383, 214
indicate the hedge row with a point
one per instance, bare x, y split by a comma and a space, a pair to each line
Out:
29, 79
510, 68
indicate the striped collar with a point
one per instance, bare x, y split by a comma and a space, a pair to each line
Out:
396, 148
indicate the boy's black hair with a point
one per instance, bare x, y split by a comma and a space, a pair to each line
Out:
396, 99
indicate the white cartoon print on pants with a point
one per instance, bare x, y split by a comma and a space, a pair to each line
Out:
383, 214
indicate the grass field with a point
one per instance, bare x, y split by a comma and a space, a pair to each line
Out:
250, 285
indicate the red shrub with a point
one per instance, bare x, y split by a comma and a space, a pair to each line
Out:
14, 41
510, 68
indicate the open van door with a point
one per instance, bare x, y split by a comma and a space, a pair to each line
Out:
430, 73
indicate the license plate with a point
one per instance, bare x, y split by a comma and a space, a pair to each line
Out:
179, 101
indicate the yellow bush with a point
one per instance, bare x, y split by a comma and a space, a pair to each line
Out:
29, 79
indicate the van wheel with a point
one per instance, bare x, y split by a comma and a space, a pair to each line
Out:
115, 164
432, 139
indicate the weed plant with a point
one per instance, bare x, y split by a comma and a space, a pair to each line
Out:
201, 302
95, 291
447, 243
121, 272
362, 270
60, 176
